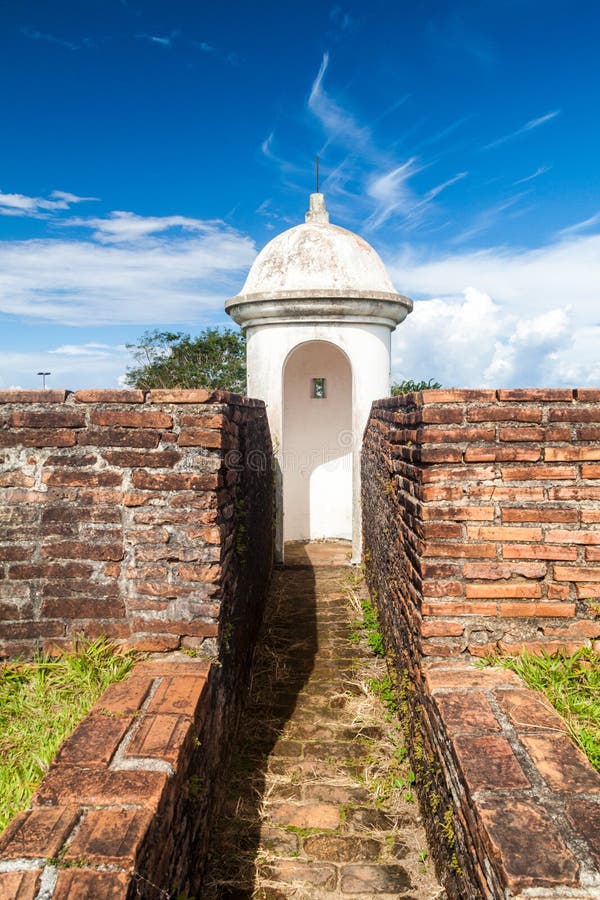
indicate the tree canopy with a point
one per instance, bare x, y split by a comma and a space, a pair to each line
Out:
408, 386
216, 359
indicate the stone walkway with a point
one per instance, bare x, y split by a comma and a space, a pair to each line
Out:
321, 802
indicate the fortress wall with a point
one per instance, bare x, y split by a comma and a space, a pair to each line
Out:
481, 517
486, 509
143, 517
147, 517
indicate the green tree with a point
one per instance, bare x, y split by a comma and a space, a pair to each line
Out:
408, 386
171, 359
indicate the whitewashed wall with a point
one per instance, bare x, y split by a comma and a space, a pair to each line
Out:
367, 348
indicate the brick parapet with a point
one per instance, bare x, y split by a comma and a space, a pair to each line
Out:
125, 808
481, 520
119, 510
102, 395
497, 495
524, 800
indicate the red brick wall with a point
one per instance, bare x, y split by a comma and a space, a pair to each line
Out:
127, 514
124, 810
482, 517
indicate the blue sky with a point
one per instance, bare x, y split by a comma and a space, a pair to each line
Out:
150, 149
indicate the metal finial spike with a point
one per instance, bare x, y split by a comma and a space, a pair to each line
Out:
317, 158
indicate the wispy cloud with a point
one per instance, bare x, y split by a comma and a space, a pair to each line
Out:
488, 217
166, 40
131, 269
177, 37
273, 215
339, 125
529, 126
35, 35
392, 193
268, 150
341, 19
535, 123
38, 207
266, 147
369, 174
579, 227
541, 170
228, 56
395, 197
435, 191
456, 32
438, 136
89, 349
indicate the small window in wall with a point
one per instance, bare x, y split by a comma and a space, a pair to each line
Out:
318, 391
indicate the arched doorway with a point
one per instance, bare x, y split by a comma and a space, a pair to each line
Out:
317, 443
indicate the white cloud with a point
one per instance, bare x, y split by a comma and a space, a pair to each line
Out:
541, 120
126, 227
71, 367
341, 19
89, 349
475, 342
285, 166
133, 270
561, 273
541, 327
38, 207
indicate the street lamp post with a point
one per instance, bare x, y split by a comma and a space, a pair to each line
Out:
43, 374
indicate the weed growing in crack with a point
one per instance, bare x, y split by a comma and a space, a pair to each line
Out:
384, 689
370, 626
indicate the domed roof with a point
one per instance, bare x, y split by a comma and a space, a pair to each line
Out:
317, 256
317, 266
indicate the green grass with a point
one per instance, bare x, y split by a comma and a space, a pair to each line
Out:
369, 627
572, 685
40, 705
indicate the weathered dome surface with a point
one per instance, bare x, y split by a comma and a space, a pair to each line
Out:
318, 271
318, 257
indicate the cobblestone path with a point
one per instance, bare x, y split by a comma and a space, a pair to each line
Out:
320, 801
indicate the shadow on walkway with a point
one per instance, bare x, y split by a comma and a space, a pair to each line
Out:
283, 663
320, 802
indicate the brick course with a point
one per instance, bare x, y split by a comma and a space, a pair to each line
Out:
520, 515
133, 781
98, 485
481, 533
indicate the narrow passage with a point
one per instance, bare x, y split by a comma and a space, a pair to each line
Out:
320, 800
